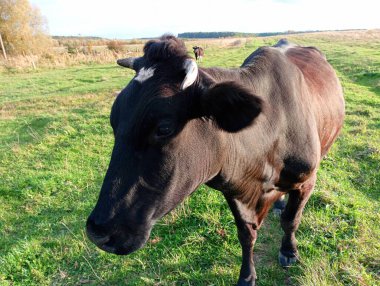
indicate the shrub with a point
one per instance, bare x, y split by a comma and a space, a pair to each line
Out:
115, 46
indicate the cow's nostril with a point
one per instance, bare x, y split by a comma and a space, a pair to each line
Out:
96, 229
98, 240
96, 237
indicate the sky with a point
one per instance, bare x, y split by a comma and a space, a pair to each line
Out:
125, 19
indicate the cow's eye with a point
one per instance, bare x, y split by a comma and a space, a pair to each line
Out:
164, 129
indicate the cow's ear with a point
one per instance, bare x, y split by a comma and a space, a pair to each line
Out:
232, 106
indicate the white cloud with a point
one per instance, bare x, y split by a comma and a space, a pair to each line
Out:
129, 19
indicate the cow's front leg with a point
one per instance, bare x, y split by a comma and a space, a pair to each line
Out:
247, 234
290, 220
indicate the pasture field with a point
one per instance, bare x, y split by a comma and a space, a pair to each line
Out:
55, 143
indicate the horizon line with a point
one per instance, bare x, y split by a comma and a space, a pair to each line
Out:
289, 32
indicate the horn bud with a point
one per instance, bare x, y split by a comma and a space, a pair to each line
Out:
127, 62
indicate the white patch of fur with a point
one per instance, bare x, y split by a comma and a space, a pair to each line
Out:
144, 74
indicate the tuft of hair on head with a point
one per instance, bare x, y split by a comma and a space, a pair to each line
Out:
165, 48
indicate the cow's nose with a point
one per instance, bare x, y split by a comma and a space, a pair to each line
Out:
97, 231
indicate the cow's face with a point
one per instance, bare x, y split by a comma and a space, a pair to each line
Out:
165, 147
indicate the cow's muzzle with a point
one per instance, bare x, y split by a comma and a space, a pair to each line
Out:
112, 241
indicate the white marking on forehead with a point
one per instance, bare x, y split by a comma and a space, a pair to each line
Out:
144, 74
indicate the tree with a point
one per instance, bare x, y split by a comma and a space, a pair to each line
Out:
23, 29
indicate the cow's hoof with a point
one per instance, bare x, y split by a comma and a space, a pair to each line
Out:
286, 261
243, 282
277, 212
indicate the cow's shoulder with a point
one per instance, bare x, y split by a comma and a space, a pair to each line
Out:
261, 56
270, 55
285, 50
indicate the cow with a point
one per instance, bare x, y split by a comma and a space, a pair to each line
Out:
255, 133
198, 53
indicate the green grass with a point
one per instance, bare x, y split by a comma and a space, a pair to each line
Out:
55, 143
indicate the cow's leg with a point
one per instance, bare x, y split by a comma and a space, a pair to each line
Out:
290, 219
247, 236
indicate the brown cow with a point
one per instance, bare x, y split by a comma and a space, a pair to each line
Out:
255, 133
199, 53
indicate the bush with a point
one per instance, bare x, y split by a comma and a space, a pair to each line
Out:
72, 48
115, 46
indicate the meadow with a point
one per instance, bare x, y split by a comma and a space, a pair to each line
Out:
55, 143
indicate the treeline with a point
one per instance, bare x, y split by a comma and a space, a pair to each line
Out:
203, 35
94, 41
268, 34
87, 38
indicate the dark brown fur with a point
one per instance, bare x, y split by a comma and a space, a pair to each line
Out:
255, 133
198, 52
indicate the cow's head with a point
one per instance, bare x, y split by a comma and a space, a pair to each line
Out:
170, 126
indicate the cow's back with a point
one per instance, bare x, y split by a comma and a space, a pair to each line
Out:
304, 108
303, 87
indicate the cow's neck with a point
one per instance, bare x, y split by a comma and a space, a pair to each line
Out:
247, 170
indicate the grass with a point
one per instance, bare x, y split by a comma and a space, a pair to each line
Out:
55, 144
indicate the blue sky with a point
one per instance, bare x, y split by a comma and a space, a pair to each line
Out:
148, 18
